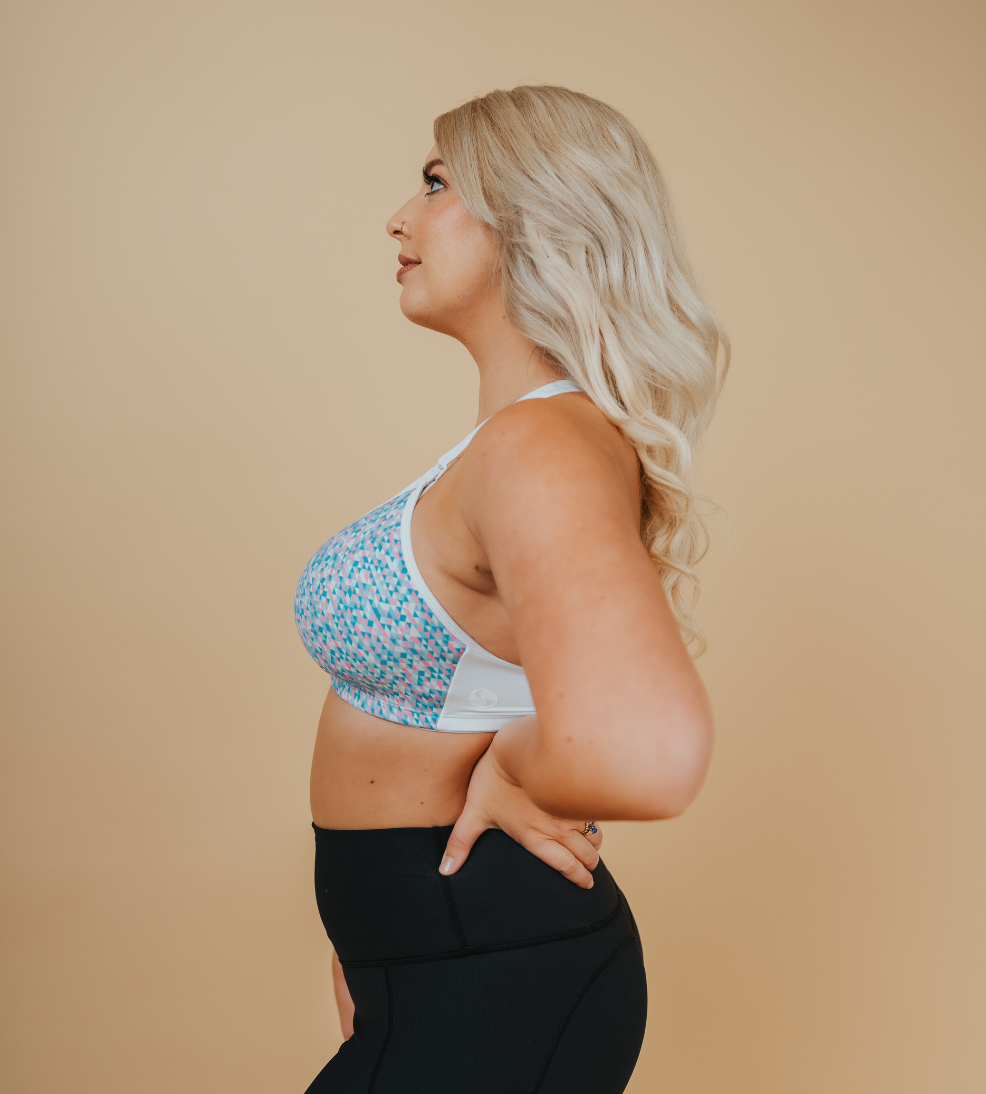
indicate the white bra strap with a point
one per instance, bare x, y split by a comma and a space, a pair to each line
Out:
556, 387
454, 453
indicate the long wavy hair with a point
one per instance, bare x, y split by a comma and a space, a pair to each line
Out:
594, 271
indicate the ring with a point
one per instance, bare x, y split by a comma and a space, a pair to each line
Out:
590, 826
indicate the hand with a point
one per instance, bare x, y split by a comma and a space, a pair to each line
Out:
494, 800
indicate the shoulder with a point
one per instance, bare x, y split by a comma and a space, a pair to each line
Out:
548, 453
571, 418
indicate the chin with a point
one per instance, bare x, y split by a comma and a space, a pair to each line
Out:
422, 315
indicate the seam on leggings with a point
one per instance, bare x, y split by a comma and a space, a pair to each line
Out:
543, 1074
453, 912
386, 1040
631, 922
493, 947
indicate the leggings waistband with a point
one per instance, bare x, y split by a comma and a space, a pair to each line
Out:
383, 901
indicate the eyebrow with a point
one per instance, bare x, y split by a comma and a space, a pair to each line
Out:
432, 163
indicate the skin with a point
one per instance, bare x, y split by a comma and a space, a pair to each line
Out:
531, 541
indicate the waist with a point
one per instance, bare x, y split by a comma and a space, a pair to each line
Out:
383, 901
368, 773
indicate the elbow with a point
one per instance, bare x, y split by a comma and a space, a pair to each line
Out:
663, 797
657, 780
672, 777
668, 799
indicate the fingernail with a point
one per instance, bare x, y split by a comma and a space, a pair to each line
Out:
592, 881
447, 866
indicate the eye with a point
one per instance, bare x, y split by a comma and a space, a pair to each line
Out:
434, 183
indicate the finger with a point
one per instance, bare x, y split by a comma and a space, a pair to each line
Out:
595, 838
551, 846
581, 847
468, 828
558, 857
573, 834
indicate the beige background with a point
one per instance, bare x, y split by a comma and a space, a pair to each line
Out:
207, 374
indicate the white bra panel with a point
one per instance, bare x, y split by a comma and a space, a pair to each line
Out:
486, 692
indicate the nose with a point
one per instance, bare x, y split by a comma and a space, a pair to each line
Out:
399, 226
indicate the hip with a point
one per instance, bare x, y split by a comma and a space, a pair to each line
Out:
383, 901
505, 978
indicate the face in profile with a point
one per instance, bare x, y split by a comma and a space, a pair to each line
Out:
448, 273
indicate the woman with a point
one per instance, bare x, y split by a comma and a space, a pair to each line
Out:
504, 637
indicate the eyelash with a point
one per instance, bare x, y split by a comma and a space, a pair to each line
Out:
430, 180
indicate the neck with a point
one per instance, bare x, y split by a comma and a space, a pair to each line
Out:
509, 364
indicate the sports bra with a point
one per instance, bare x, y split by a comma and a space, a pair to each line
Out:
367, 617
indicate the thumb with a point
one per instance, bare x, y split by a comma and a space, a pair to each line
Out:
468, 828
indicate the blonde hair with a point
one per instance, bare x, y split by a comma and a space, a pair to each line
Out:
594, 271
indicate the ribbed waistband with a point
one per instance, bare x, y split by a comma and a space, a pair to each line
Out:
383, 901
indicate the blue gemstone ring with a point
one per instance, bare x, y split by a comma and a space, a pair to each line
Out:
590, 827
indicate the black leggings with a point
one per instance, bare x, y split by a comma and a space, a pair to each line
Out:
502, 979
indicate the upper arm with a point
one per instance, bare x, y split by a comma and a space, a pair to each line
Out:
552, 495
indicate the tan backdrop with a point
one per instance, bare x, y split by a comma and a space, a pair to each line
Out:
207, 374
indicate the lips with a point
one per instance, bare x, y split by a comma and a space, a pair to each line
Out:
406, 264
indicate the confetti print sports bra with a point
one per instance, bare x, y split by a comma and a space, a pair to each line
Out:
367, 617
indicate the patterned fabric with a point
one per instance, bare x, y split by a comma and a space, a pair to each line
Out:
368, 618
364, 622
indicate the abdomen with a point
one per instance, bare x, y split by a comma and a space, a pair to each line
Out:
369, 773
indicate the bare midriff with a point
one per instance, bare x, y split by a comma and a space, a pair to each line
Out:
368, 773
